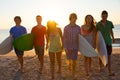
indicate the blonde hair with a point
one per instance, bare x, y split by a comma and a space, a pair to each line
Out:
71, 15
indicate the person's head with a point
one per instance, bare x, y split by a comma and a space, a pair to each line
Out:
104, 15
73, 18
51, 25
90, 21
39, 19
17, 20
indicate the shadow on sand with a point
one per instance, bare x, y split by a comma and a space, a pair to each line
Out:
18, 75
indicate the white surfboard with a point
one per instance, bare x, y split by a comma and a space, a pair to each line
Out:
6, 45
101, 48
85, 48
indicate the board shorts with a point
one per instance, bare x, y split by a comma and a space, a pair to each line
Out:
19, 52
71, 54
109, 49
39, 50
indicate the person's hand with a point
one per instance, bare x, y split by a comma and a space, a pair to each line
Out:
46, 46
66, 50
113, 40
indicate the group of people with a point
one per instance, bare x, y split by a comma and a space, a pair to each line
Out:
56, 41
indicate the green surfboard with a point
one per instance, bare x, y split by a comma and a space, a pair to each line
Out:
24, 42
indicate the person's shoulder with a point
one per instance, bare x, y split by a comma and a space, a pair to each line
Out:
67, 26
99, 22
77, 25
12, 28
23, 27
34, 27
109, 21
43, 27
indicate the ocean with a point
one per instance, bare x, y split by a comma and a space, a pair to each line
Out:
5, 33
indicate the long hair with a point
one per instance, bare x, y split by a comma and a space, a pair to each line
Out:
50, 26
93, 24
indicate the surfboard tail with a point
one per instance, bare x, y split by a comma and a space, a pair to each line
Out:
101, 48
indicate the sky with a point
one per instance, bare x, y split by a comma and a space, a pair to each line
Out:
58, 10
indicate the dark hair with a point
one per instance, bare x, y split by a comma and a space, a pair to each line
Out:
104, 12
71, 15
17, 17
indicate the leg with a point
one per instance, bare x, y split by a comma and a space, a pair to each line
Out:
40, 52
86, 65
109, 51
69, 64
68, 61
52, 63
20, 59
109, 66
100, 65
58, 56
90, 60
73, 67
74, 59
109, 63
41, 60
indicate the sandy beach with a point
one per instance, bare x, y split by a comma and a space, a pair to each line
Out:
9, 68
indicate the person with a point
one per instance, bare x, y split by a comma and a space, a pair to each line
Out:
88, 31
105, 27
39, 32
70, 42
55, 46
16, 31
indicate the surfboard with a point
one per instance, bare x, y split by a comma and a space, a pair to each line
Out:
101, 48
85, 48
24, 42
6, 45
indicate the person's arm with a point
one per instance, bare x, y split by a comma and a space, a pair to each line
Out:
47, 40
80, 31
25, 31
65, 39
60, 32
11, 34
112, 35
111, 32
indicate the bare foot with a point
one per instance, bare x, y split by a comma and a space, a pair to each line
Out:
21, 70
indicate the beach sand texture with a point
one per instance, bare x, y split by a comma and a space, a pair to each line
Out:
9, 68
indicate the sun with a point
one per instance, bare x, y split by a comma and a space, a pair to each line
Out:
53, 14
50, 15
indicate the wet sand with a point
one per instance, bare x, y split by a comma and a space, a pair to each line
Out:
9, 68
